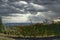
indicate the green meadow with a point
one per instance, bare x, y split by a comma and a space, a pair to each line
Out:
33, 30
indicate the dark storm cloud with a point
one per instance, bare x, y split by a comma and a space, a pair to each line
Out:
48, 8
17, 6
5, 8
55, 8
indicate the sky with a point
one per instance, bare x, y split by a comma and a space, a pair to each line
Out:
21, 11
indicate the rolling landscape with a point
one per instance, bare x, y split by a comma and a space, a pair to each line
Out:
29, 19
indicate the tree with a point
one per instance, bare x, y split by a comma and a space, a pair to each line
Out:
0, 21
0, 24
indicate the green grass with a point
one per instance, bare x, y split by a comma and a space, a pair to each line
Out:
5, 38
34, 30
39, 30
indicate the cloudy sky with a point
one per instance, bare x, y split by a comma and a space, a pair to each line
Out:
18, 11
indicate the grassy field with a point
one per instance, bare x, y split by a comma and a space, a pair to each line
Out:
5, 38
34, 30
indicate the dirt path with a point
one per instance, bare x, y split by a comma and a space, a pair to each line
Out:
46, 38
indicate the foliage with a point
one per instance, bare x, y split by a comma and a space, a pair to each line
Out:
5, 38
1, 26
34, 30
39, 29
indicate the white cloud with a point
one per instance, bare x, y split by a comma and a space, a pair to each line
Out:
37, 6
25, 17
20, 3
23, 2
16, 18
21, 11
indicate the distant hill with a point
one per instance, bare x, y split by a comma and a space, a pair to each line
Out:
16, 24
